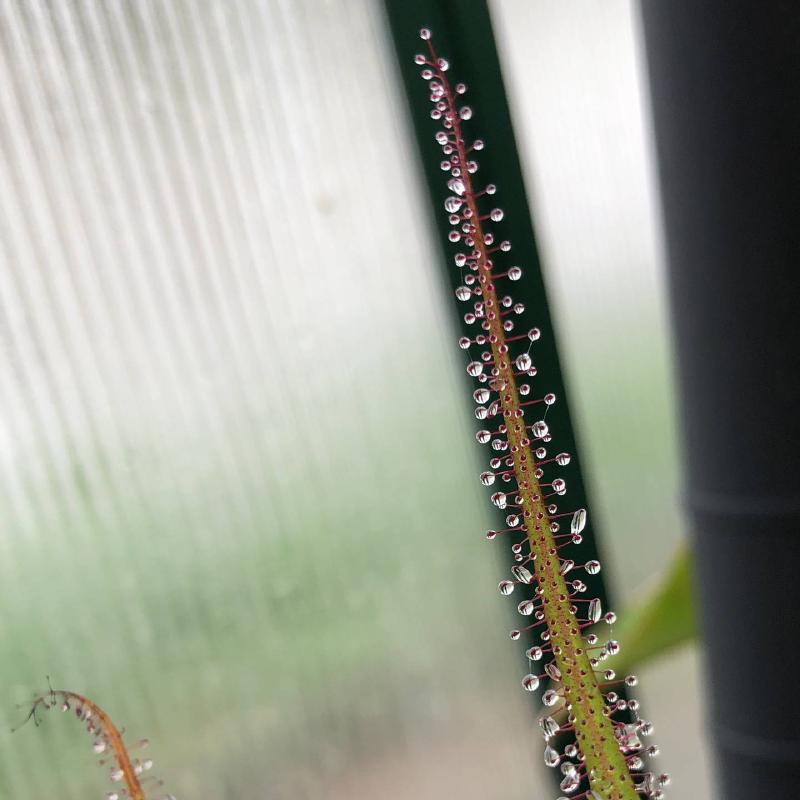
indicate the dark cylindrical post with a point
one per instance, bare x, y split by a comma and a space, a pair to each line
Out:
725, 87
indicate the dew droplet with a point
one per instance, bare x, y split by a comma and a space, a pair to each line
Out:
540, 429
117, 775
514, 635
500, 499
487, 478
483, 436
465, 112
549, 399
549, 727
514, 274
523, 362
566, 565
496, 214
452, 204
526, 608
112, 795
461, 88
562, 459
456, 185
530, 683
99, 745
551, 756
592, 567
463, 293
534, 653
578, 521
505, 587
559, 486
572, 780
481, 395
490, 535
464, 342
444, 64
628, 737
550, 697
553, 671
474, 368
595, 610
521, 574
425, 34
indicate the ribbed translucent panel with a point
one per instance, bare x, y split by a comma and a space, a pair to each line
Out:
239, 507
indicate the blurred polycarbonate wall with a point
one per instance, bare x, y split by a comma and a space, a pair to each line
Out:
238, 495
239, 500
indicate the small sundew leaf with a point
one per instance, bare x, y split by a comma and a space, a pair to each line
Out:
123, 770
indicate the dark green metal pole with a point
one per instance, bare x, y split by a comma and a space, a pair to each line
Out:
725, 85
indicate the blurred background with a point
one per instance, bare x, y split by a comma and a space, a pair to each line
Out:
240, 506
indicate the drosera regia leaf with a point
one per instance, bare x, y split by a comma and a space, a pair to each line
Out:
607, 760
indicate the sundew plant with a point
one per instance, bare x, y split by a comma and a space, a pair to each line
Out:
606, 758
130, 773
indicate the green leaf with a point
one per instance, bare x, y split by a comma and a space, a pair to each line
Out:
663, 619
